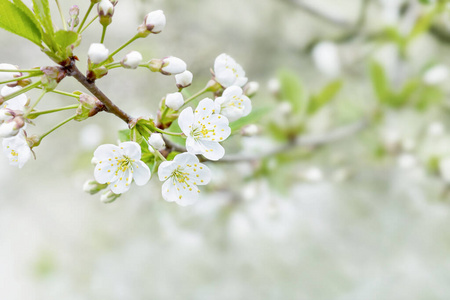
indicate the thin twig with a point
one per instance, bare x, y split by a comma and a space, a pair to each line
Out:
110, 106
328, 17
302, 141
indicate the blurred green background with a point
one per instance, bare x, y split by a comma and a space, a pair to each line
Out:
365, 217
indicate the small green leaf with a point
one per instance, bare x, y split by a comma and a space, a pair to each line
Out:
15, 20
42, 11
379, 81
291, 89
326, 95
124, 135
65, 38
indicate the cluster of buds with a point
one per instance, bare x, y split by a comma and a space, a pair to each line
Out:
73, 21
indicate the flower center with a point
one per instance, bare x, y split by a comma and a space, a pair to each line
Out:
123, 164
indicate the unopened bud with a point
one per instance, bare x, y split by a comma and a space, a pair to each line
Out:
97, 53
109, 196
156, 141
250, 130
274, 86
12, 127
93, 187
184, 79
154, 22
251, 88
51, 77
167, 66
172, 65
74, 11
105, 11
131, 60
89, 106
174, 100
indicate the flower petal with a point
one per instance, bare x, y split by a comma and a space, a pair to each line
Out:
106, 151
185, 120
141, 173
213, 150
205, 108
105, 171
131, 149
185, 158
122, 182
169, 191
165, 169
199, 174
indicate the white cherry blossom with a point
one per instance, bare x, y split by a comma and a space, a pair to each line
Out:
204, 130
233, 104
181, 176
119, 165
228, 72
17, 150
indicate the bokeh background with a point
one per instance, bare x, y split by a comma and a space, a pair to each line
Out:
364, 217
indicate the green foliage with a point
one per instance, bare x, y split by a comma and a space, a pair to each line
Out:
291, 89
379, 81
17, 19
42, 11
327, 94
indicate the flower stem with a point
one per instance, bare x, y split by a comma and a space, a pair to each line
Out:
85, 17
20, 78
21, 91
159, 154
121, 47
204, 90
66, 94
49, 111
103, 34
62, 15
168, 133
23, 71
35, 103
56, 127
93, 19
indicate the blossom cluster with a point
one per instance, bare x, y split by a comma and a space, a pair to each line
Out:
205, 127
12, 122
147, 150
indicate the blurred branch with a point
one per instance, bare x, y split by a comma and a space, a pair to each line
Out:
325, 16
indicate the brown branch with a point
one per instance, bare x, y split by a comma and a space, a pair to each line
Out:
72, 70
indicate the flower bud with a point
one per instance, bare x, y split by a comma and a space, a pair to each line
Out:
155, 21
274, 86
172, 65
131, 60
97, 53
4, 76
251, 88
250, 130
51, 77
174, 100
156, 141
74, 12
184, 79
109, 196
89, 106
167, 66
12, 127
105, 11
93, 187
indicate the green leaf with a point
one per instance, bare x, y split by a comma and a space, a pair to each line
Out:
379, 81
20, 5
42, 11
291, 89
15, 20
65, 38
253, 117
174, 127
124, 135
326, 95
